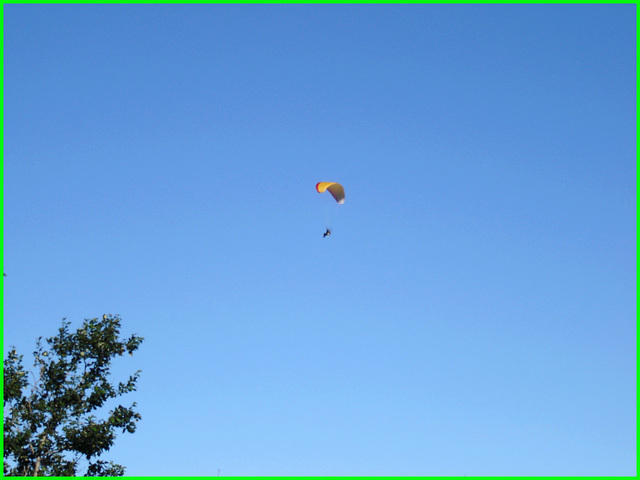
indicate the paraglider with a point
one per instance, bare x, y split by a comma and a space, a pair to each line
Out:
334, 188
337, 192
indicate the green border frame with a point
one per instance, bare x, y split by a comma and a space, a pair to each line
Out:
582, 2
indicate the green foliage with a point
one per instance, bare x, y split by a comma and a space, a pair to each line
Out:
50, 423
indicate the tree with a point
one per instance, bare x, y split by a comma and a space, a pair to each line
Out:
50, 424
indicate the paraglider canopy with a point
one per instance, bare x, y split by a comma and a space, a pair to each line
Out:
334, 189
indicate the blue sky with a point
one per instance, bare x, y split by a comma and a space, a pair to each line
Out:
473, 312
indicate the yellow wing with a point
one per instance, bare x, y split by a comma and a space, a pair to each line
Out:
334, 188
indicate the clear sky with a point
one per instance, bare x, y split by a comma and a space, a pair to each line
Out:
473, 312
